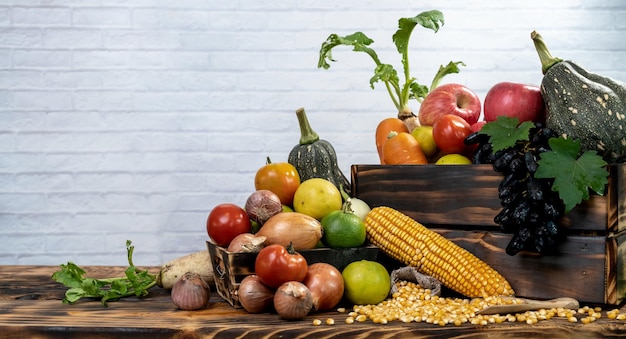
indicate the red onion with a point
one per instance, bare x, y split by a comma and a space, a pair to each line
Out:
326, 285
262, 205
190, 292
293, 300
254, 296
246, 243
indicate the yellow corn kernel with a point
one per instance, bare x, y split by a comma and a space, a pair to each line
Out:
317, 322
330, 321
406, 240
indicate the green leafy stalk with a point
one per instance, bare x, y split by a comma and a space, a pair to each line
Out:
135, 282
400, 93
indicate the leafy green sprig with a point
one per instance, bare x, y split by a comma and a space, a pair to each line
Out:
574, 172
400, 93
135, 282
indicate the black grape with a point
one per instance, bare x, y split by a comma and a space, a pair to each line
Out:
530, 209
476, 138
534, 189
530, 160
504, 160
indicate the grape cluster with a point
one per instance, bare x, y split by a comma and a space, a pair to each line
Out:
530, 209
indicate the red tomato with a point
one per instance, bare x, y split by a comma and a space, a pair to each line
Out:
225, 222
276, 264
281, 178
449, 131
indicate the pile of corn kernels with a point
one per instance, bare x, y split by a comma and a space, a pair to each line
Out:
413, 303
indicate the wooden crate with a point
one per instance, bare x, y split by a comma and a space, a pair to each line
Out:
230, 268
461, 201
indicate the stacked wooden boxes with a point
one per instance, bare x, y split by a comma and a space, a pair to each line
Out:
460, 202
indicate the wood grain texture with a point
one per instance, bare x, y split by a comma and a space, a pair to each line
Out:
156, 317
456, 196
581, 270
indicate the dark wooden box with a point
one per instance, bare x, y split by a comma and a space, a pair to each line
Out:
230, 268
460, 202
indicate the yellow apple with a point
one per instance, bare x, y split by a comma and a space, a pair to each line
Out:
453, 159
424, 136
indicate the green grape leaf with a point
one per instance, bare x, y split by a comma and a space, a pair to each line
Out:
573, 175
505, 132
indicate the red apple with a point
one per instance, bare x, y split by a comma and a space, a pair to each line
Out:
514, 100
454, 99
477, 125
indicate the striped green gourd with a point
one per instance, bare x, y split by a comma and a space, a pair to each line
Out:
583, 105
314, 157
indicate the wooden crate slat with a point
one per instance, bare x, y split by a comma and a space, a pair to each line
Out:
468, 196
616, 197
578, 270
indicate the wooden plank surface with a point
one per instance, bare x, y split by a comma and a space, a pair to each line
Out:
30, 307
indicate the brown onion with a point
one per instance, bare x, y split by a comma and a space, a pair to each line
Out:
190, 292
326, 285
262, 205
300, 230
246, 243
293, 300
254, 296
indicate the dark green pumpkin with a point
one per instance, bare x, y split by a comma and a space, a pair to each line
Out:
315, 158
583, 106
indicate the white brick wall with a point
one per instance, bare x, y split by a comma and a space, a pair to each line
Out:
131, 119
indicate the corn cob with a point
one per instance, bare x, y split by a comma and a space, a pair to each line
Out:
408, 241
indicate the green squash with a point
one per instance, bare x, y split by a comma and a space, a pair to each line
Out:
315, 158
582, 105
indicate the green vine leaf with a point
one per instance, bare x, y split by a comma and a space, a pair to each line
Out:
573, 176
505, 132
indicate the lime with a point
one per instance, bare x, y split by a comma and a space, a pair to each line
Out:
366, 282
424, 136
343, 229
453, 159
317, 197
255, 226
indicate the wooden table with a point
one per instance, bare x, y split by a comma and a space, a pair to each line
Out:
30, 307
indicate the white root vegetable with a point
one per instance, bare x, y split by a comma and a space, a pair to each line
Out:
197, 262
